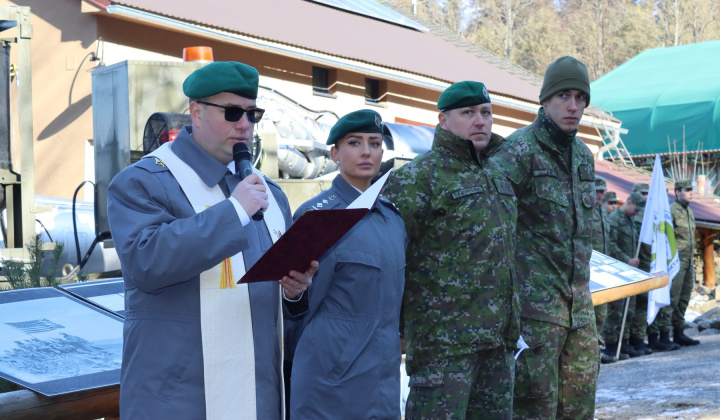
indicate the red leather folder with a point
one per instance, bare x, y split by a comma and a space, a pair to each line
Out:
310, 237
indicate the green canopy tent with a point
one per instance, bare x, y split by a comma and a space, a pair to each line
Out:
659, 91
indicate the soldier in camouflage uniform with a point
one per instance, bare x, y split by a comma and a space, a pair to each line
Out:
601, 234
552, 172
684, 281
623, 246
610, 202
638, 324
461, 307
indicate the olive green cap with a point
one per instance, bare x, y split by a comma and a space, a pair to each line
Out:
638, 199
565, 73
600, 183
222, 76
362, 121
610, 197
462, 94
641, 187
685, 183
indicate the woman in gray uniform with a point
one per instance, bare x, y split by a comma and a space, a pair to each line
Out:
347, 354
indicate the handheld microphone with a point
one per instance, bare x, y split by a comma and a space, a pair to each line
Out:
244, 168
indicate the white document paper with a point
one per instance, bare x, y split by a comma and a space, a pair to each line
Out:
368, 199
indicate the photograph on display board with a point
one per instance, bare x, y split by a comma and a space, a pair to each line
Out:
54, 343
607, 272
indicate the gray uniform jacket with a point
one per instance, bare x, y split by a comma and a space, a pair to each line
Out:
163, 247
347, 358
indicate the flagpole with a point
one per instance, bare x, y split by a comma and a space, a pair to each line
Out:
622, 328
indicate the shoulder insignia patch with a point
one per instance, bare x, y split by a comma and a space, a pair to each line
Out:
585, 173
503, 187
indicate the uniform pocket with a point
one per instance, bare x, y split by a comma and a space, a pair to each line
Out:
428, 377
532, 372
549, 188
329, 348
355, 282
176, 364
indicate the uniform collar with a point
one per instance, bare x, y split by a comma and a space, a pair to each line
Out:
549, 134
209, 169
463, 148
682, 203
346, 191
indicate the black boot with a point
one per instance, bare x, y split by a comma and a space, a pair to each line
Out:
631, 350
606, 358
680, 338
665, 339
640, 345
657, 345
611, 350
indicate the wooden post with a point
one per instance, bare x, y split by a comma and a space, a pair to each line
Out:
92, 404
708, 258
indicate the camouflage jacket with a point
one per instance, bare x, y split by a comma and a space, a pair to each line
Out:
645, 255
684, 223
601, 230
623, 236
460, 292
555, 223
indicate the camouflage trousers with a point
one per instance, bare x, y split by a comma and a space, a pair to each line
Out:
600, 315
611, 329
556, 377
478, 386
638, 325
680, 290
635, 322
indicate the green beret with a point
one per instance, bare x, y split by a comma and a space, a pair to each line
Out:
362, 121
600, 183
565, 73
637, 199
610, 197
641, 187
685, 183
462, 94
222, 76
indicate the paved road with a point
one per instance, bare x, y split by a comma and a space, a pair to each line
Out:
682, 384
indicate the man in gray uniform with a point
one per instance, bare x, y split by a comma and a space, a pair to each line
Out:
168, 244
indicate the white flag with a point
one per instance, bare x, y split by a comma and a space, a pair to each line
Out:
657, 230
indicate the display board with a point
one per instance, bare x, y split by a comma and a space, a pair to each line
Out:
607, 272
612, 280
54, 343
107, 294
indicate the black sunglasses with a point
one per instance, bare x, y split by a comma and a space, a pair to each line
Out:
234, 113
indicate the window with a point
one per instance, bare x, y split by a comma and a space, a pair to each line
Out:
321, 81
372, 91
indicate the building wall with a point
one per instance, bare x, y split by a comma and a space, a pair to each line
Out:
72, 37
62, 46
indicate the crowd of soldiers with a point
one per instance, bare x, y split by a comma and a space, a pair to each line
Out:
616, 233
